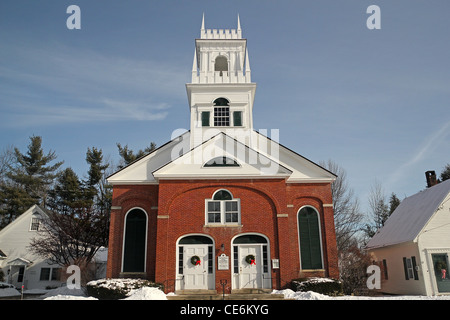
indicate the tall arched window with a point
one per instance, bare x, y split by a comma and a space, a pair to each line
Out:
221, 112
310, 239
135, 240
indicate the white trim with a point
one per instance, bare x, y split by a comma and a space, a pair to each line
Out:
320, 238
223, 210
124, 236
430, 266
265, 282
179, 278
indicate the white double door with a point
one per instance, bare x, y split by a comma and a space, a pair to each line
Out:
196, 275
250, 274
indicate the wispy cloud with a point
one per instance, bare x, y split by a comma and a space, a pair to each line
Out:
438, 139
55, 85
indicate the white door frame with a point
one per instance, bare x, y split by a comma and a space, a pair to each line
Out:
264, 277
181, 269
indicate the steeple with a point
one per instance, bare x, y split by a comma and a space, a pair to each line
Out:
221, 56
221, 92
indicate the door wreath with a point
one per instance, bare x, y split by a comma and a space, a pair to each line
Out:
195, 260
250, 259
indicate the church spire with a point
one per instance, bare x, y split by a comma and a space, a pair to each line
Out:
203, 23
239, 30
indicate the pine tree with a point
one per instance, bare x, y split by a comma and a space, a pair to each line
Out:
128, 155
78, 223
445, 174
394, 202
29, 180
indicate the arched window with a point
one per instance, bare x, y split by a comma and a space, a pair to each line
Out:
135, 239
223, 208
310, 239
221, 162
221, 64
221, 112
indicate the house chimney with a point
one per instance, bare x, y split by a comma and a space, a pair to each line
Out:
431, 178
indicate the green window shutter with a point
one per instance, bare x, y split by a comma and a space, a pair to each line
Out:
310, 249
205, 119
237, 118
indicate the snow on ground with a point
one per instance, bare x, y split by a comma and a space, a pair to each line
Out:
150, 293
64, 293
8, 290
310, 295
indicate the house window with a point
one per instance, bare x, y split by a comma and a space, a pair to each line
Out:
221, 112
309, 237
222, 209
34, 226
410, 268
50, 274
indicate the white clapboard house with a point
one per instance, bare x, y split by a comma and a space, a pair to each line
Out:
19, 265
413, 246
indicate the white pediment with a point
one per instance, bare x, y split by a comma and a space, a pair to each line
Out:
265, 159
250, 163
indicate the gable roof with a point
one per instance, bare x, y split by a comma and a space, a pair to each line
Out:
251, 163
161, 163
411, 216
33, 209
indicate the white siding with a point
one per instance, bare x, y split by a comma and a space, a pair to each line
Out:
14, 240
396, 283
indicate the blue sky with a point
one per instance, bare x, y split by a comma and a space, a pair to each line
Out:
374, 101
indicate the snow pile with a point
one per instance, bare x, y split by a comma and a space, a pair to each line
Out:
299, 295
8, 290
146, 293
143, 293
64, 293
311, 295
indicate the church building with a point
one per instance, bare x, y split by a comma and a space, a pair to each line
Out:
222, 203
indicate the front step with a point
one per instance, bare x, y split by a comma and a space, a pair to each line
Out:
242, 294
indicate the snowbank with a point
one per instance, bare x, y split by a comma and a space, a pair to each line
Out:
146, 293
310, 295
8, 290
64, 293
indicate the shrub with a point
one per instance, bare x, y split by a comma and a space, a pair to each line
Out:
114, 289
326, 286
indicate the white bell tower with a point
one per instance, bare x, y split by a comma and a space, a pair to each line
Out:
221, 93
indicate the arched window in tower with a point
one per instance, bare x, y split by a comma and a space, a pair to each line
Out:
221, 112
221, 64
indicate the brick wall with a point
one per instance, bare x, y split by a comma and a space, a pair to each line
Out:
268, 207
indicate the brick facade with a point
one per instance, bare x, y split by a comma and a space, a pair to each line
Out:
269, 207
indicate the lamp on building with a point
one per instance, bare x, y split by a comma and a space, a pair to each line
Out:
222, 247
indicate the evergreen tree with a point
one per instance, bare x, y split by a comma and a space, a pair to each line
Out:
394, 202
78, 223
29, 180
68, 194
445, 174
128, 155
